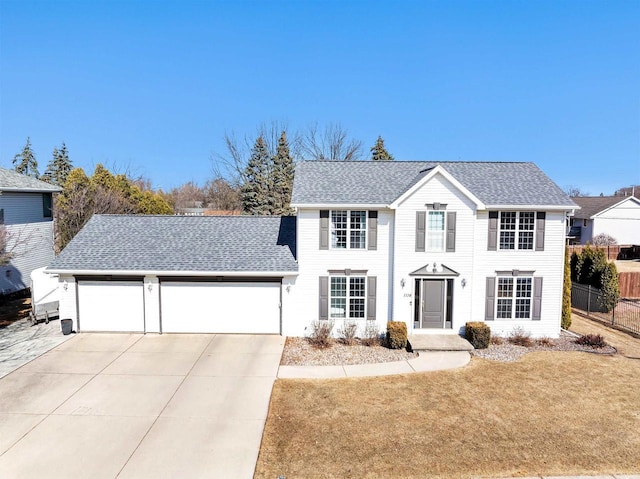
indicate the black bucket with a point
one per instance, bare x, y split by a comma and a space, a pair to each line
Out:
67, 326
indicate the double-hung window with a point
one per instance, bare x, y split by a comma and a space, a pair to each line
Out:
517, 230
514, 297
348, 229
347, 297
435, 231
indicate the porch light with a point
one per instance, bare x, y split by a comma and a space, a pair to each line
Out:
288, 288
65, 285
402, 283
150, 286
463, 282
435, 267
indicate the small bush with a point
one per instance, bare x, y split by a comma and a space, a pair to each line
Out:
520, 337
593, 340
320, 336
371, 335
478, 334
348, 332
545, 342
496, 340
396, 335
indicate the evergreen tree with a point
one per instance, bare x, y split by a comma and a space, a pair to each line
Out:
282, 177
25, 162
566, 292
257, 190
59, 167
379, 152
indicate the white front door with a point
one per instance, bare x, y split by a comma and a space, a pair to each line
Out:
217, 307
110, 306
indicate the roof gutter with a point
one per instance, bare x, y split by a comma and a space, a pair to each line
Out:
137, 272
361, 206
532, 207
29, 190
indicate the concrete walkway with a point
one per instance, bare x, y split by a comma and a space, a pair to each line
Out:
20, 343
426, 361
605, 476
139, 406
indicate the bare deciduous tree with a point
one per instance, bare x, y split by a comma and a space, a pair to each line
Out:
331, 143
13, 243
603, 239
574, 191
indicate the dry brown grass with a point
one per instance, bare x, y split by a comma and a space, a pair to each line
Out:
549, 413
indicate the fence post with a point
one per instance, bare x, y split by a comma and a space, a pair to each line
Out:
588, 300
613, 314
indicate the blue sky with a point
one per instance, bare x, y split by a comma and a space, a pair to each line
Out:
153, 86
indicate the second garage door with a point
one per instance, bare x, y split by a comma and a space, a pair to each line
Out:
220, 307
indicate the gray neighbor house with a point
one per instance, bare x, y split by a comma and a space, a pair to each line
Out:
26, 219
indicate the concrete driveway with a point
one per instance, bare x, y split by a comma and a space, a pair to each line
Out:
139, 406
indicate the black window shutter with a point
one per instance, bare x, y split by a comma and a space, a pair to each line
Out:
492, 243
373, 230
371, 297
324, 297
451, 231
536, 314
421, 225
541, 217
489, 308
324, 229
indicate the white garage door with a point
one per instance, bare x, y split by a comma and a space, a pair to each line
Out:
111, 306
220, 307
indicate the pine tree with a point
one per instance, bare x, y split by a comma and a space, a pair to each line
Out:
257, 190
379, 152
566, 292
25, 162
282, 177
59, 167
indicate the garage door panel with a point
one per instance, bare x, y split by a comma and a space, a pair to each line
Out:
220, 307
111, 306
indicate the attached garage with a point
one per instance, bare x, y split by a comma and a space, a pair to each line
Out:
220, 307
178, 274
111, 306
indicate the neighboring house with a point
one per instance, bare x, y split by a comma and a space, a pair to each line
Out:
26, 216
433, 244
617, 216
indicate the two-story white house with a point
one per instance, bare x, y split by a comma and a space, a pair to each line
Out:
26, 219
433, 244
616, 216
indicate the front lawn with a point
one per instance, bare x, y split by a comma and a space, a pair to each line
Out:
546, 414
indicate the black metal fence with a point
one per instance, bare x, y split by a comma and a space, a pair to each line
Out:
589, 301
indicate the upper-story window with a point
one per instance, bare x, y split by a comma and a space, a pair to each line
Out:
348, 229
517, 229
435, 231
47, 205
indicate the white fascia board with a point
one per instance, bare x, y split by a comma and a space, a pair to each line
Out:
441, 171
333, 206
626, 198
122, 272
29, 190
532, 207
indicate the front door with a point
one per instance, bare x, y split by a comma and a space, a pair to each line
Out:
432, 303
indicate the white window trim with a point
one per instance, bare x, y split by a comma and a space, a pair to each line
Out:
444, 232
517, 231
513, 298
348, 297
364, 230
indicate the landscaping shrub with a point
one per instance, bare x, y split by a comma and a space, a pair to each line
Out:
371, 335
396, 335
478, 334
497, 340
348, 332
591, 267
593, 340
545, 342
320, 336
610, 287
566, 292
520, 337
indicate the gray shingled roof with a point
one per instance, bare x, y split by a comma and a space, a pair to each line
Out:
13, 181
181, 244
382, 182
592, 205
